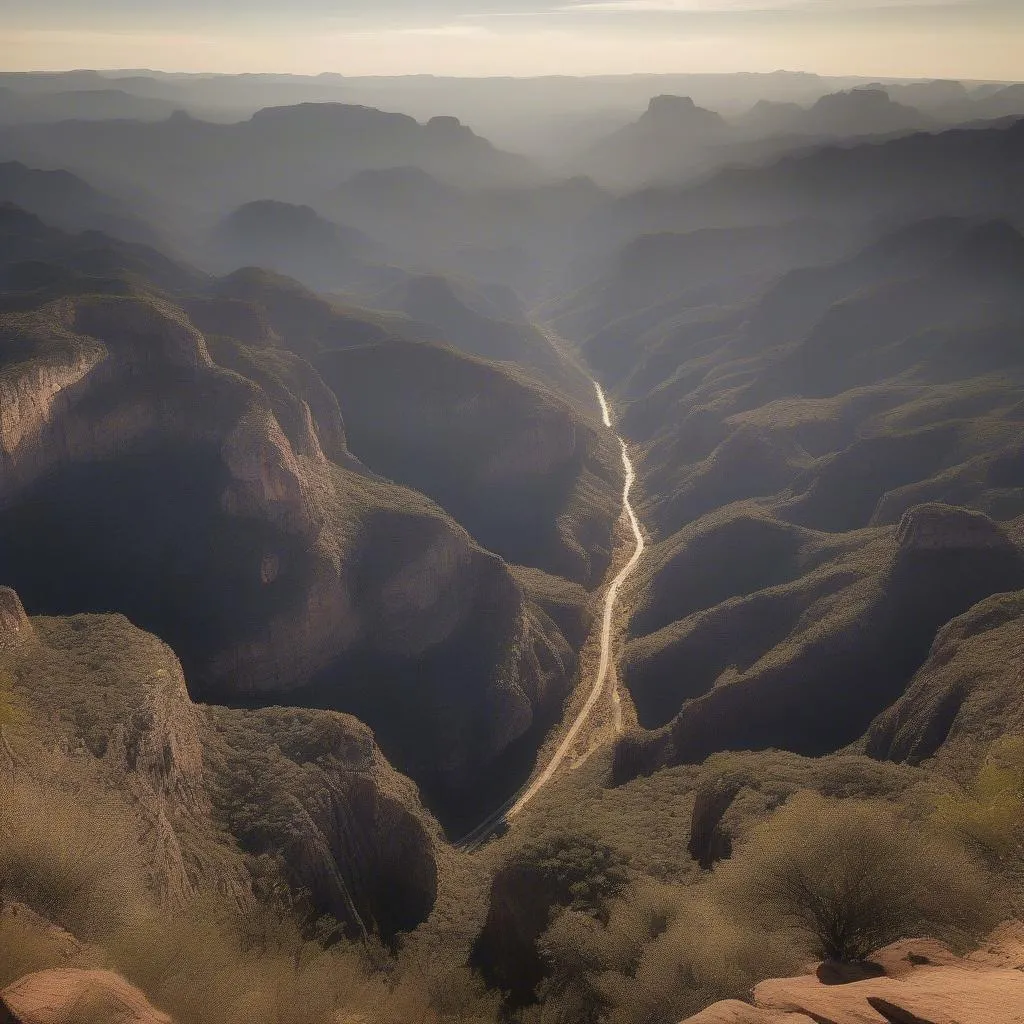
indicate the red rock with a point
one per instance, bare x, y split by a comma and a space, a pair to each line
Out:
63, 995
732, 1011
923, 983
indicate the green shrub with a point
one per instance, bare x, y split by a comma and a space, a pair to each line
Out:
850, 876
989, 814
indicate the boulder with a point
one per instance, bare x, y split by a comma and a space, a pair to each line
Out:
68, 996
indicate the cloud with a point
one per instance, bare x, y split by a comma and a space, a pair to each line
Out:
454, 31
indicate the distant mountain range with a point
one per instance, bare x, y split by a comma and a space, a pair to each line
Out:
288, 153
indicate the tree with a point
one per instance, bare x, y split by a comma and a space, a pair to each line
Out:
852, 876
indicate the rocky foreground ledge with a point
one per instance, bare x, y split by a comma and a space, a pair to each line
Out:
914, 981
66, 995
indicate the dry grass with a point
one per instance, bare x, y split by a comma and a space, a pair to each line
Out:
72, 862
68, 856
846, 877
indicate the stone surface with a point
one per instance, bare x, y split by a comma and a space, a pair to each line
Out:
921, 982
345, 573
68, 995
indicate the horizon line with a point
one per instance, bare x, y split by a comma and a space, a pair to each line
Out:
513, 78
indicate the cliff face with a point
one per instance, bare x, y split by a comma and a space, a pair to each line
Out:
112, 701
220, 507
15, 629
311, 788
207, 788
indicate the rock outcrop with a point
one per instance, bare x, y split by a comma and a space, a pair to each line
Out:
709, 841
914, 981
946, 528
210, 788
67, 995
311, 788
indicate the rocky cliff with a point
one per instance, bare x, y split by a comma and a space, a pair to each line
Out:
206, 488
209, 789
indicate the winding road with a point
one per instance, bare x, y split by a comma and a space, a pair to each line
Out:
516, 804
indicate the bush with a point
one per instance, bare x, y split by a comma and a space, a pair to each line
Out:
851, 876
664, 953
989, 814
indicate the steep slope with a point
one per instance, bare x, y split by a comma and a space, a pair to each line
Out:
41, 261
525, 474
87, 105
67, 202
788, 438
519, 237
463, 319
218, 505
967, 691
104, 711
821, 657
966, 172
296, 241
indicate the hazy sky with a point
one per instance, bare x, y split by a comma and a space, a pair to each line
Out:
948, 38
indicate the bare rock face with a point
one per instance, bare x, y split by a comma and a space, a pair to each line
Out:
66, 995
312, 787
710, 842
914, 981
15, 629
732, 1011
113, 700
30, 399
265, 474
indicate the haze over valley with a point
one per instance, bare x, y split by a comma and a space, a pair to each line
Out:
543, 548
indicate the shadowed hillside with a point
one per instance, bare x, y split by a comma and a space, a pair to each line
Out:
791, 432
218, 504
